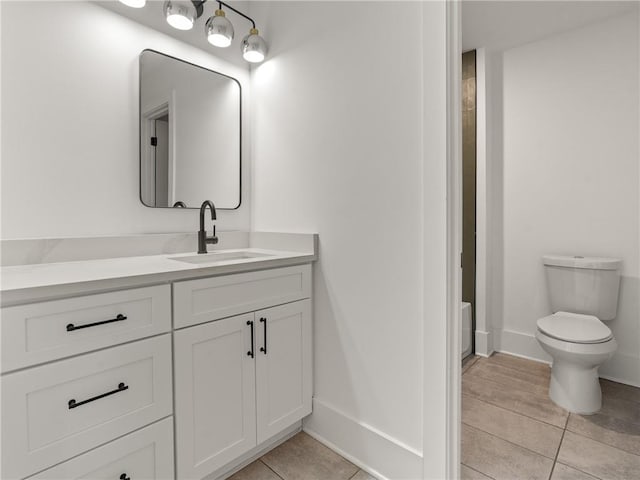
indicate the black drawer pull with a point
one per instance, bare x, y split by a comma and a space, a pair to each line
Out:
121, 388
124, 477
71, 327
264, 348
250, 352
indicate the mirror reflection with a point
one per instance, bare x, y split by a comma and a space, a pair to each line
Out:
189, 134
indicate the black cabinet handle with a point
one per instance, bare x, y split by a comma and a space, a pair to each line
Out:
71, 327
250, 352
264, 348
124, 475
121, 388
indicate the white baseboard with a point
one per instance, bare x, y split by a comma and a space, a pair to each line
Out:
622, 368
520, 344
370, 449
484, 343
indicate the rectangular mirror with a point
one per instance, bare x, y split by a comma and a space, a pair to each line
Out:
190, 134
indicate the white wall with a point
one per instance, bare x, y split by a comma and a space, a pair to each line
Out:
571, 176
338, 149
70, 123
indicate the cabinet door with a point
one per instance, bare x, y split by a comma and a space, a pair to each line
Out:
283, 367
215, 395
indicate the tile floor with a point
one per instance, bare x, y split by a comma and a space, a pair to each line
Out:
301, 458
512, 430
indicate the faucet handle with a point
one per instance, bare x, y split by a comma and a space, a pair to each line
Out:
213, 240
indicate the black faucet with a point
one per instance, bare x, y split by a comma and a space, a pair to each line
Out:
202, 233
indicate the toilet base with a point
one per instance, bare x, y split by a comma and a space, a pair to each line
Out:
574, 384
574, 389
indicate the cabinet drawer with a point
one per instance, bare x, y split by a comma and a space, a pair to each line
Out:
146, 454
46, 331
56, 411
199, 301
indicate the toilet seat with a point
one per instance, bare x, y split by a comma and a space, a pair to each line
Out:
574, 328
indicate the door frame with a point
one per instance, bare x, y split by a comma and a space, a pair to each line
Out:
147, 155
454, 237
442, 239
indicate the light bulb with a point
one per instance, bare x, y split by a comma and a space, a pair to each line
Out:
180, 14
254, 48
219, 30
134, 3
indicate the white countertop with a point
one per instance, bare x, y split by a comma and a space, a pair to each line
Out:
45, 281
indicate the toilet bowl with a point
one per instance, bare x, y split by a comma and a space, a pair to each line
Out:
583, 291
578, 344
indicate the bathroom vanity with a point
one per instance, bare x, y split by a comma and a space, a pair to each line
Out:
113, 368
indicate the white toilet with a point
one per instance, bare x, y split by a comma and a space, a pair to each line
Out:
583, 293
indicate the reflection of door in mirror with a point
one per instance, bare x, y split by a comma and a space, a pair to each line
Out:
156, 156
161, 148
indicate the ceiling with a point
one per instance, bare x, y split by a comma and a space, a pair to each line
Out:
499, 25
152, 16
495, 25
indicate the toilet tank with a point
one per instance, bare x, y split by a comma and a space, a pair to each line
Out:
587, 285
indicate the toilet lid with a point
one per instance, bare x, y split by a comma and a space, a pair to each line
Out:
574, 328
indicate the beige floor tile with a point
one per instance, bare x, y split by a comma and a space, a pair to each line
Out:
500, 459
535, 406
468, 362
612, 431
562, 472
255, 471
522, 364
304, 458
621, 408
619, 390
597, 458
467, 473
362, 475
511, 378
540, 437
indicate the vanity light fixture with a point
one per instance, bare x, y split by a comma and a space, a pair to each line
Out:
182, 14
220, 33
254, 48
219, 30
134, 3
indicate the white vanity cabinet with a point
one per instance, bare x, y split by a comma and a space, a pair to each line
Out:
81, 372
241, 380
116, 384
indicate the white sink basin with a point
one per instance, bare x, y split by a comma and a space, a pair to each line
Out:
219, 257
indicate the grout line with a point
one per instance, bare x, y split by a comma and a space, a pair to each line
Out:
508, 441
510, 410
266, 465
357, 472
601, 443
470, 364
546, 424
476, 470
581, 471
529, 371
555, 460
530, 389
488, 375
